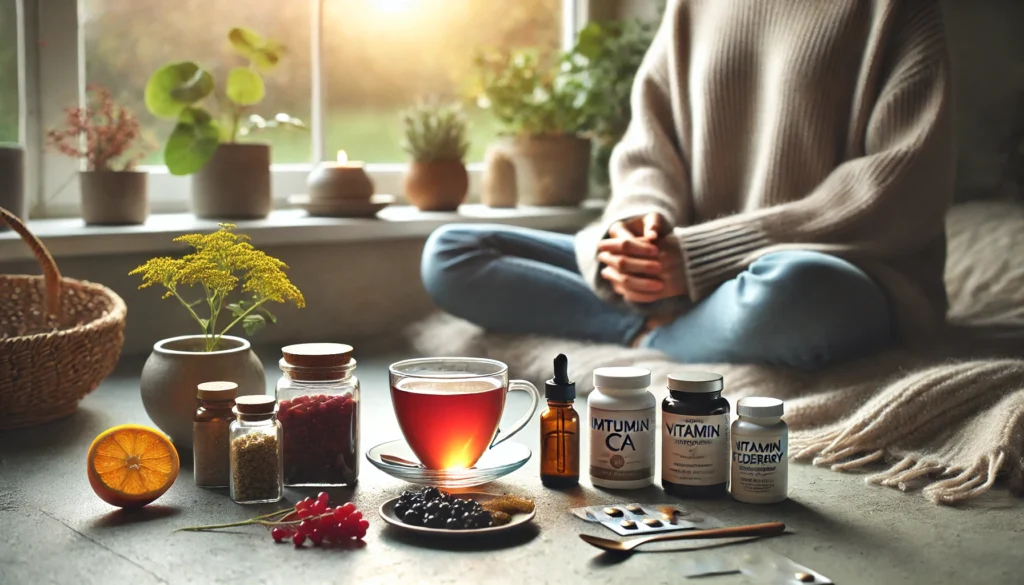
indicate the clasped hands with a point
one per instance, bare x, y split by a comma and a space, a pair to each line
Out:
641, 265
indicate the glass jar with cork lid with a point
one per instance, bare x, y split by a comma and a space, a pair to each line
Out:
319, 411
256, 451
210, 433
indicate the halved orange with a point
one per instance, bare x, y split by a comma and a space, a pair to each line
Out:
132, 465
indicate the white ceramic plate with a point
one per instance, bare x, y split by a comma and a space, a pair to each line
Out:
387, 513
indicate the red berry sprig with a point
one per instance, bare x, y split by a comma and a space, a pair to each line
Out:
311, 519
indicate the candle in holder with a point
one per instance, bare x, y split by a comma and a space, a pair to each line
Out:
12, 181
344, 179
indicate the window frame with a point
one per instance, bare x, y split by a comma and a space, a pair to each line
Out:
52, 74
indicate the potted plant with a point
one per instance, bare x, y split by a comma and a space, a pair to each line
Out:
106, 136
218, 265
541, 108
435, 138
230, 179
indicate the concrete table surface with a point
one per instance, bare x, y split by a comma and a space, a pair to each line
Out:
53, 529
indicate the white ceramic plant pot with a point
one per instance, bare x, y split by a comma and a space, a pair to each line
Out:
179, 364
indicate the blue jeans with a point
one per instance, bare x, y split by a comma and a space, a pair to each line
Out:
801, 309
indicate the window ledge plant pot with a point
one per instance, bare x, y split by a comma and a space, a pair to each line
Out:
551, 171
114, 197
178, 365
234, 183
439, 185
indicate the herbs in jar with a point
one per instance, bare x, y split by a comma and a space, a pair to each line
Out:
256, 455
211, 428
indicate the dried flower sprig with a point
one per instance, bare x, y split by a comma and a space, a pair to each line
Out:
104, 133
220, 261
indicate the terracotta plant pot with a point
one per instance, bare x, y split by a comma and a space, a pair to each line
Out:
114, 197
234, 184
551, 171
437, 185
179, 364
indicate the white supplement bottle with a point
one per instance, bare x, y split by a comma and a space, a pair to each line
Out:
760, 446
621, 417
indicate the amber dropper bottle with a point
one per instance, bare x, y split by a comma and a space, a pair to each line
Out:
560, 431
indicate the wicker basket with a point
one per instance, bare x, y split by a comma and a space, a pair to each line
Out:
59, 338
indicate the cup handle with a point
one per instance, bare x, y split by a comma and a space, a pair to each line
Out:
522, 386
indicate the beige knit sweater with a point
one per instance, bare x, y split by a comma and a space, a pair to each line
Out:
768, 125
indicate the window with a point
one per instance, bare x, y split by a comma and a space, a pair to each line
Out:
9, 88
127, 40
351, 67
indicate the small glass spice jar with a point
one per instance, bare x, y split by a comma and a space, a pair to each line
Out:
211, 427
256, 439
319, 399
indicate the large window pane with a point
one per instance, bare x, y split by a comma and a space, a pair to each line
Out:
8, 71
126, 40
380, 56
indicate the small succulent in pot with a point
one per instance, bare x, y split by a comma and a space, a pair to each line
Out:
107, 137
435, 138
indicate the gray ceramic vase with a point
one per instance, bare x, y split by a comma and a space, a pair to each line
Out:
551, 170
114, 197
179, 364
234, 184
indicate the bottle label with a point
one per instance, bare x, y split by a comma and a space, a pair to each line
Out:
695, 449
759, 468
621, 444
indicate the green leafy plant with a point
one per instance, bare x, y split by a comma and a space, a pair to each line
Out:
529, 95
177, 90
611, 53
218, 264
435, 132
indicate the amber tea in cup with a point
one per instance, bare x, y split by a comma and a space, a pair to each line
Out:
449, 408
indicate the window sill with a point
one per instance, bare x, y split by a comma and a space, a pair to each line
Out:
67, 238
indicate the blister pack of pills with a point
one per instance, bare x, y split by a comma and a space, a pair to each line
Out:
632, 519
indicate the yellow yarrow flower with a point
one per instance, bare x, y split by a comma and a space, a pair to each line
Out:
218, 263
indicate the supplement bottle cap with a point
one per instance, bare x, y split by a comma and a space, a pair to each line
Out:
622, 378
695, 382
759, 407
559, 388
217, 391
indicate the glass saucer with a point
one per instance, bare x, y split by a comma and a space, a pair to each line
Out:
496, 462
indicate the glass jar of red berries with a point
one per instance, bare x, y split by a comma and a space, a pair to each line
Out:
319, 410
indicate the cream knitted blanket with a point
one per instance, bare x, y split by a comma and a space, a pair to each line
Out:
947, 420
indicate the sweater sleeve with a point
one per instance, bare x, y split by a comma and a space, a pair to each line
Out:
889, 201
648, 170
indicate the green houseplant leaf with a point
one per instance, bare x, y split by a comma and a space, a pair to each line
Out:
263, 53
192, 142
175, 86
245, 87
253, 322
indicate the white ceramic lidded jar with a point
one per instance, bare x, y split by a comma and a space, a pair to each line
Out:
621, 418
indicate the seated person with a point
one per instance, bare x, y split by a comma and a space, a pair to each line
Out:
779, 196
